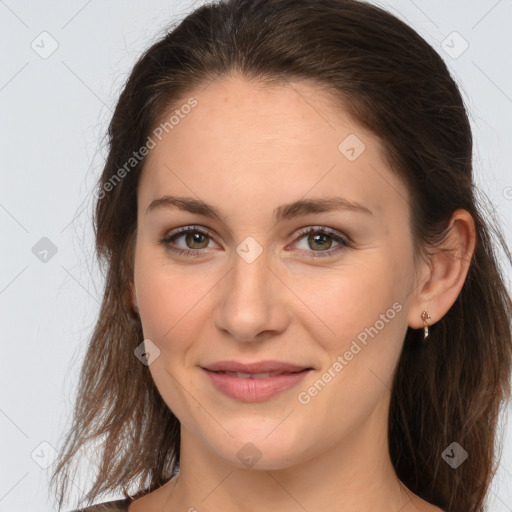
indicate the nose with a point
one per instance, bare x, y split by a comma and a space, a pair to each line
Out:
251, 304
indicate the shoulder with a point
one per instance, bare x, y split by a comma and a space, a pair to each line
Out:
108, 506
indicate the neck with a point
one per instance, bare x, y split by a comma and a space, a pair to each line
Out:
354, 475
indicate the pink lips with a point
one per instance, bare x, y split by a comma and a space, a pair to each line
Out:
248, 386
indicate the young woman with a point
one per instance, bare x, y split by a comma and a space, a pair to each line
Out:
303, 307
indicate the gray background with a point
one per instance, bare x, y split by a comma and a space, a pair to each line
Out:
54, 112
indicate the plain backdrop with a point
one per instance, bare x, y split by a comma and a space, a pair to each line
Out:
63, 64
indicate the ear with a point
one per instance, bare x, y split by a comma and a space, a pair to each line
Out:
133, 297
130, 293
446, 271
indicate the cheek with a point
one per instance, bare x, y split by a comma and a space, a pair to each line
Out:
172, 314
170, 300
352, 297
366, 318
363, 324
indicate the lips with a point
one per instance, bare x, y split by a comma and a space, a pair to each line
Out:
254, 382
243, 375
257, 369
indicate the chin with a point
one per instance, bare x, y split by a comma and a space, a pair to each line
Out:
254, 447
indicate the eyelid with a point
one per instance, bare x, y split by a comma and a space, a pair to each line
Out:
191, 228
344, 242
323, 229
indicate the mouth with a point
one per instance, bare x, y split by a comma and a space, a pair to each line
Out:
254, 382
266, 368
266, 375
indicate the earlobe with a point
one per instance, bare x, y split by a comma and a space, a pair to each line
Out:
449, 266
133, 297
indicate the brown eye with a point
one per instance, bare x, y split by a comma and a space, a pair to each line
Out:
195, 240
322, 241
319, 240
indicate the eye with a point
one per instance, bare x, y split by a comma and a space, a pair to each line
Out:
194, 237
196, 240
320, 238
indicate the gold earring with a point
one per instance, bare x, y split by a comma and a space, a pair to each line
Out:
425, 316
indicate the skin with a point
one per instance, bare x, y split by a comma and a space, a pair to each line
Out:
247, 149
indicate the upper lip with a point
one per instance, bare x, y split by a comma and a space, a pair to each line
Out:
257, 367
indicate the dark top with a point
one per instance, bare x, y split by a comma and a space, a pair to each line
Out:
108, 506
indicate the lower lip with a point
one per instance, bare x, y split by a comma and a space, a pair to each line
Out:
255, 390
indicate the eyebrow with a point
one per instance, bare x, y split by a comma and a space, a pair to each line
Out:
284, 212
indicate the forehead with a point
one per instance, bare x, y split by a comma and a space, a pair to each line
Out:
266, 144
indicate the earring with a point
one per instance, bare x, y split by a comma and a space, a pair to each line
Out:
425, 316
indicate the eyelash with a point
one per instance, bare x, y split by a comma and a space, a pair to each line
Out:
343, 241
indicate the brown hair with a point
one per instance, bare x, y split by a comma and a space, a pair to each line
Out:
392, 82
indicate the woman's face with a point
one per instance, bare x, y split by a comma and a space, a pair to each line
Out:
254, 288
